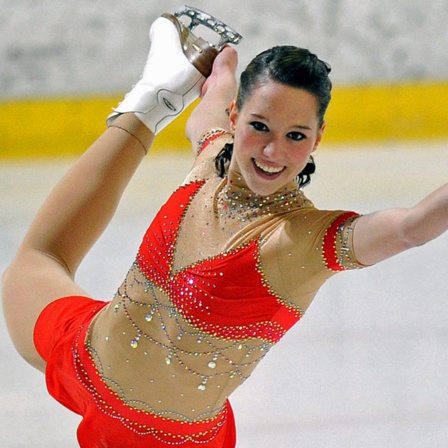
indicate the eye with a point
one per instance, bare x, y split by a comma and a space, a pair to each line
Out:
296, 136
258, 126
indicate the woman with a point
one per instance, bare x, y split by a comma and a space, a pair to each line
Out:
229, 264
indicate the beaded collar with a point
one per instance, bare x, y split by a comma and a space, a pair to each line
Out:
235, 200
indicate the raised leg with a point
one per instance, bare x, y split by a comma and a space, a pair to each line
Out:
68, 224
82, 204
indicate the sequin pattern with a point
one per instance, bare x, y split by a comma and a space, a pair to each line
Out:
337, 247
200, 291
193, 326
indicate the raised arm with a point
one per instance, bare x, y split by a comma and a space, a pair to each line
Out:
381, 235
217, 94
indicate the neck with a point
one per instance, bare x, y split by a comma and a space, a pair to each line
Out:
236, 200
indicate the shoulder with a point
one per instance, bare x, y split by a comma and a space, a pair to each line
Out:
207, 148
212, 141
328, 234
307, 248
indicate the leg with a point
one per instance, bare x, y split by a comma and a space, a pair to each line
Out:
82, 204
68, 224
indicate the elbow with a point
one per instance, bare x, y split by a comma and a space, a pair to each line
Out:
409, 241
414, 233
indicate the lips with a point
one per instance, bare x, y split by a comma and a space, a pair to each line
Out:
266, 170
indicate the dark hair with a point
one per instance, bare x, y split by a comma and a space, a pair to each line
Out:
292, 66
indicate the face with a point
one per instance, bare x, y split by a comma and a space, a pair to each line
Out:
275, 133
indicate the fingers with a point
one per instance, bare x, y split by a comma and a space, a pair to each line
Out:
223, 73
226, 59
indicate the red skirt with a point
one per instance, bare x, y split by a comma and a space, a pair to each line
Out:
73, 380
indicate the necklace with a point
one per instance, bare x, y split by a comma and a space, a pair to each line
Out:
236, 201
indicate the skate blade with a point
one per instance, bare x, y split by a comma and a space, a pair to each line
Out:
200, 52
197, 17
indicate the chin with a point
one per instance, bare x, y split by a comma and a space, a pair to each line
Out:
266, 190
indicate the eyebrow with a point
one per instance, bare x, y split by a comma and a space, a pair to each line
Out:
298, 126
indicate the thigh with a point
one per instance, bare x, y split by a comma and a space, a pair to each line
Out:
33, 281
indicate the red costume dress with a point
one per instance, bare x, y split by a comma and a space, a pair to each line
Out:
220, 276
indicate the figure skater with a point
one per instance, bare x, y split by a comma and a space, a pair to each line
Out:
230, 262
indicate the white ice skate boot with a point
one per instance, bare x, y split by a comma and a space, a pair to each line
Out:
177, 66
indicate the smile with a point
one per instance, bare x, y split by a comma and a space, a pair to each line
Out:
268, 170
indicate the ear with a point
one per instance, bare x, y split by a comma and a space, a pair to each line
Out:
320, 134
233, 115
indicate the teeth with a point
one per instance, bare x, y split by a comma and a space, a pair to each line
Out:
268, 169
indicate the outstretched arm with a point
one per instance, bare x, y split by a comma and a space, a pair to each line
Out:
380, 235
217, 94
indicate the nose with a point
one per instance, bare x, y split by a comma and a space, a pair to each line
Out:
272, 149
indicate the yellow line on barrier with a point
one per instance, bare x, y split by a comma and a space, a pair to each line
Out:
51, 127
388, 112
63, 127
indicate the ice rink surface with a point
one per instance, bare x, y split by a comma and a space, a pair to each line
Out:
367, 367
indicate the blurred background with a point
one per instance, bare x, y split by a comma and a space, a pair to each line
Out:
367, 367
68, 63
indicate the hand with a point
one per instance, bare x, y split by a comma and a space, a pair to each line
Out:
223, 72
217, 94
